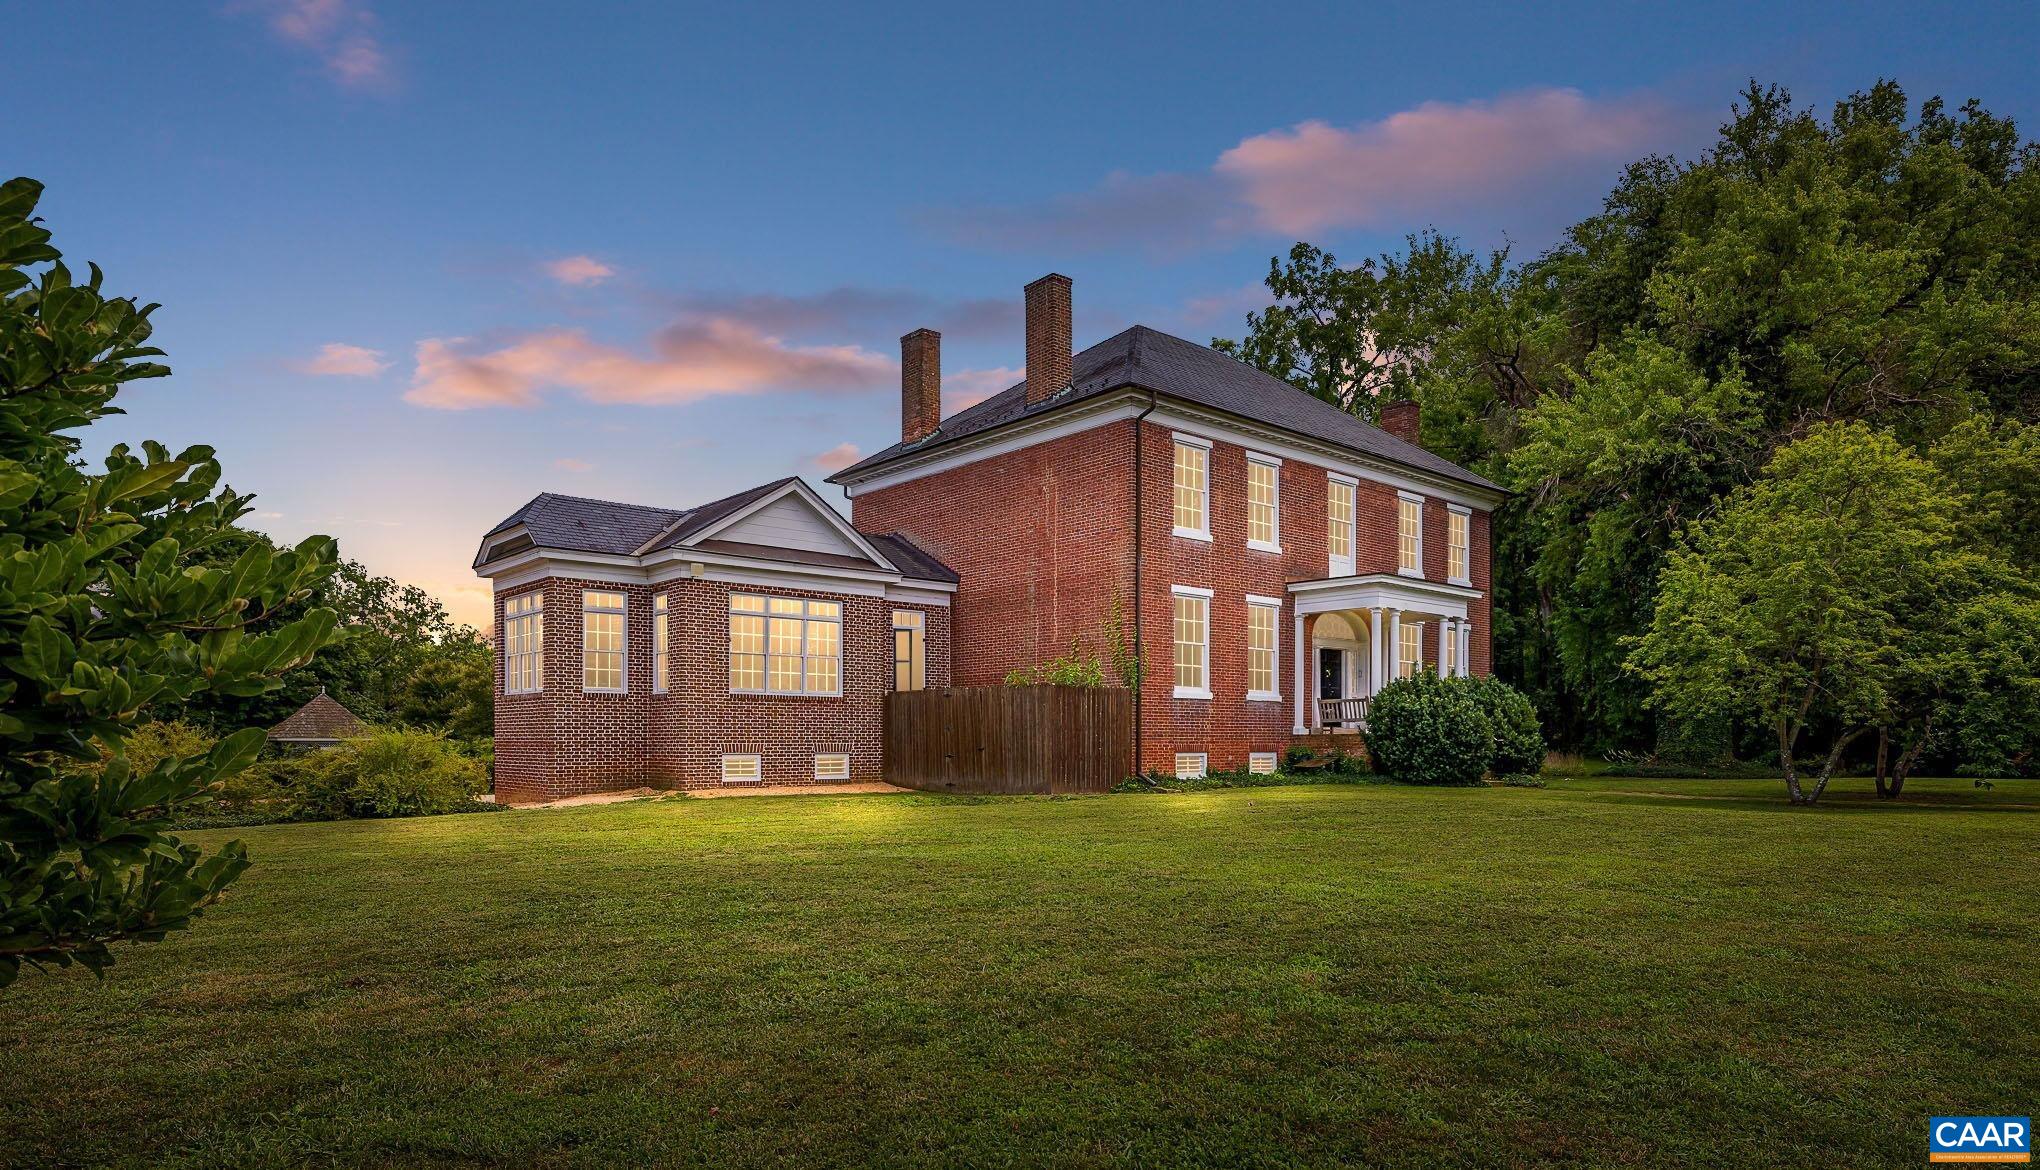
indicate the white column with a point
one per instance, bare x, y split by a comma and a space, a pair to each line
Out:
1465, 648
1302, 676
1445, 633
1391, 648
1373, 649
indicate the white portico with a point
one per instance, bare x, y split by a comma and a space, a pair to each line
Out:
1353, 634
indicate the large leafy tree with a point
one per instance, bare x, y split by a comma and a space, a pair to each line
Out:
106, 610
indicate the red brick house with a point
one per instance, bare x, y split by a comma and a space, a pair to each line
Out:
1272, 559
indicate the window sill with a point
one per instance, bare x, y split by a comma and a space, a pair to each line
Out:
1264, 546
1191, 534
787, 694
1463, 582
605, 691
1416, 573
1264, 696
1192, 693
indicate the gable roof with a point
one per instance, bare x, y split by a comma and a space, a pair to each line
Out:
320, 721
1149, 359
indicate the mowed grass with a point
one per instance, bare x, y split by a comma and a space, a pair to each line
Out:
1604, 972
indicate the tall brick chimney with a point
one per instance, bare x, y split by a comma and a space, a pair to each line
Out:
1404, 420
920, 384
1048, 337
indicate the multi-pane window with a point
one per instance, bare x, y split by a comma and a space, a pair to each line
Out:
602, 616
1190, 765
910, 650
1448, 649
1193, 644
524, 644
833, 766
1410, 651
786, 645
1264, 503
1409, 535
661, 643
1455, 545
1261, 618
1339, 521
1193, 489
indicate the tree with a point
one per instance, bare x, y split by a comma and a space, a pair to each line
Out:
1793, 604
105, 611
451, 689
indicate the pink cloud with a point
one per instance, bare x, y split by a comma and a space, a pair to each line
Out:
342, 34
579, 270
838, 457
691, 360
340, 360
966, 388
575, 465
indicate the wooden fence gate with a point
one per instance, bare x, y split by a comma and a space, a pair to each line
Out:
1009, 739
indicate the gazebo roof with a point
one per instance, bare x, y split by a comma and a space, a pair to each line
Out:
323, 720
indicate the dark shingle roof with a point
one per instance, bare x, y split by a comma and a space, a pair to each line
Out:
1152, 360
321, 720
909, 557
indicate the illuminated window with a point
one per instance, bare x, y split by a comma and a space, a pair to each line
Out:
1457, 521
785, 645
1190, 765
1339, 525
1193, 488
1448, 649
1193, 642
1264, 503
832, 767
524, 644
1409, 535
741, 770
602, 640
910, 652
1262, 670
1410, 656
1261, 763
660, 644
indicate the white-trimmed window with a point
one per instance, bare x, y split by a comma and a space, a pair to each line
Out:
1458, 529
602, 641
1193, 488
1339, 534
1193, 642
662, 644
524, 643
1448, 649
742, 770
1264, 502
1261, 763
1409, 656
1409, 534
910, 649
785, 645
1264, 662
832, 766
1190, 765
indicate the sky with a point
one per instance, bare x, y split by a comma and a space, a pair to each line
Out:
421, 261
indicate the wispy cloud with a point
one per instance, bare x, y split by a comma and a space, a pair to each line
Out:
337, 359
689, 360
578, 270
837, 457
1315, 176
344, 35
575, 465
966, 388
858, 311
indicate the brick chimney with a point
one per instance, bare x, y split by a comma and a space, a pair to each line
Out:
1048, 337
1404, 420
920, 384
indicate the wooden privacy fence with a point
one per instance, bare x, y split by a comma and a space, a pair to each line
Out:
1009, 739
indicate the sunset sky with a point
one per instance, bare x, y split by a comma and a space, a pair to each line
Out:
419, 262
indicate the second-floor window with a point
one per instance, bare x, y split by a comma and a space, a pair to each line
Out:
524, 644
602, 640
1264, 503
1193, 642
661, 644
785, 645
1193, 488
1457, 522
1339, 525
1409, 535
910, 650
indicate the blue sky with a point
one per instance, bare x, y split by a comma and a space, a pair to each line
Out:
419, 262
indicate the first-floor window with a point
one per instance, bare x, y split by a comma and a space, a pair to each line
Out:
1410, 651
1448, 649
741, 769
524, 643
602, 616
832, 766
1193, 643
910, 651
1190, 765
1261, 670
661, 643
786, 645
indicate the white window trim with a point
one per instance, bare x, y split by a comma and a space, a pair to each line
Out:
537, 656
1275, 527
1418, 543
1203, 765
1336, 566
1254, 761
662, 631
757, 766
768, 615
1254, 601
1179, 439
1466, 556
623, 655
1175, 591
844, 756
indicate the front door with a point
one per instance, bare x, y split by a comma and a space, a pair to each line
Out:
1331, 674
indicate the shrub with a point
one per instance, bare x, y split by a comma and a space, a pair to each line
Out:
1074, 669
1429, 730
1519, 741
382, 774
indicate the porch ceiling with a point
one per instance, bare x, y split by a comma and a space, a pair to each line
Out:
1383, 591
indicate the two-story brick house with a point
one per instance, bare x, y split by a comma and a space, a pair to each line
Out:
1272, 559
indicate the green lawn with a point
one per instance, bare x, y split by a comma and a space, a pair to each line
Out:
1603, 972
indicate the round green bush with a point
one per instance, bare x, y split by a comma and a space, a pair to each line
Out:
1429, 730
1519, 739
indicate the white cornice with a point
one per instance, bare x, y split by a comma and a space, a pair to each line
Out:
678, 564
